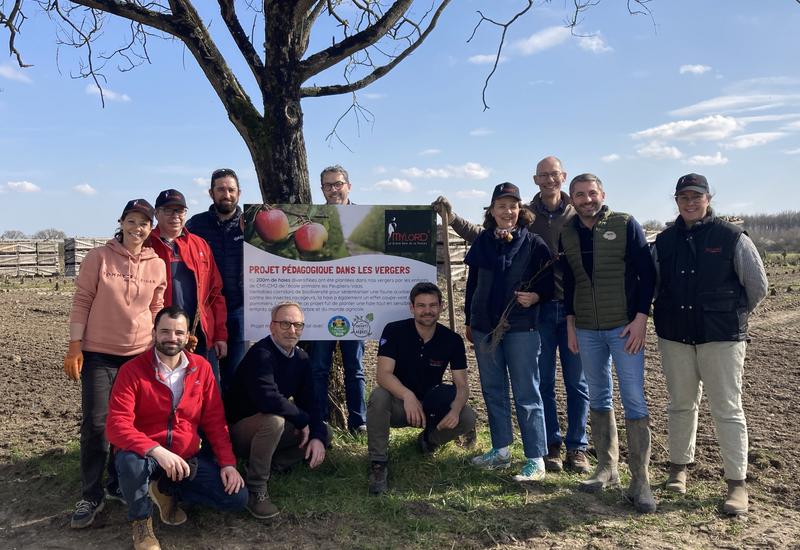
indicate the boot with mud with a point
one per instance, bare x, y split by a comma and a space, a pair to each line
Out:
143, 536
604, 437
676, 480
737, 501
638, 461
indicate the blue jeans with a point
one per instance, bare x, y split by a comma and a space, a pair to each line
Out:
205, 488
354, 386
552, 329
225, 369
598, 347
516, 358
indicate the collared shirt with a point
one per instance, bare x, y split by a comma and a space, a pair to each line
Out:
172, 378
288, 354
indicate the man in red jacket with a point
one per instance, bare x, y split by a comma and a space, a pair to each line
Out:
159, 401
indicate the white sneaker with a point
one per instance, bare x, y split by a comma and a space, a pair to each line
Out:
531, 471
492, 460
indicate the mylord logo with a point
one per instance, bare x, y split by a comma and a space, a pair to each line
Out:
407, 231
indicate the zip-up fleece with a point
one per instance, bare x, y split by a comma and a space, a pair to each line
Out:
117, 296
141, 416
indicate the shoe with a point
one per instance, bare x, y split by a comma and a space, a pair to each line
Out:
426, 446
85, 511
737, 501
260, 506
552, 462
143, 536
492, 460
676, 481
168, 509
469, 440
359, 430
638, 461
115, 493
604, 437
531, 471
377, 478
577, 461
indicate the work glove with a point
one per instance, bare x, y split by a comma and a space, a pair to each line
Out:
442, 206
191, 343
73, 362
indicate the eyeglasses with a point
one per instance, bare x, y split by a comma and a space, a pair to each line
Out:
688, 199
169, 212
286, 325
549, 175
335, 185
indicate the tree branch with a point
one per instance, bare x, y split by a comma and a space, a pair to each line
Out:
133, 12
249, 53
13, 22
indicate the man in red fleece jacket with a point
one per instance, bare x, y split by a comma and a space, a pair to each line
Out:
159, 401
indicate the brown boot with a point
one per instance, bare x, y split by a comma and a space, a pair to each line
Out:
143, 536
260, 506
552, 461
168, 509
737, 502
604, 436
577, 461
638, 461
676, 481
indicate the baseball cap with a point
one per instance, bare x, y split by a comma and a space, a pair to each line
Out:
505, 189
170, 196
692, 182
138, 205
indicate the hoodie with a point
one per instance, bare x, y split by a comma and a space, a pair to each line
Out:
117, 296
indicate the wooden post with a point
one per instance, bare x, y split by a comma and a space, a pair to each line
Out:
447, 273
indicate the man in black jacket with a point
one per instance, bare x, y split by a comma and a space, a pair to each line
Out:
266, 426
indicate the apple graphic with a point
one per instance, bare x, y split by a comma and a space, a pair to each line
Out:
311, 237
272, 225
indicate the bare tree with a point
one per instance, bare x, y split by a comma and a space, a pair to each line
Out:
50, 233
12, 234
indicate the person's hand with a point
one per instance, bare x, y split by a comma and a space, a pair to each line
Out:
415, 415
191, 343
468, 334
303, 435
73, 362
526, 299
175, 467
231, 479
315, 453
572, 337
449, 422
443, 207
221, 349
636, 331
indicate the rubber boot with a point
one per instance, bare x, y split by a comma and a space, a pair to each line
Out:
604, 437
676, 481
736, 502
638, 461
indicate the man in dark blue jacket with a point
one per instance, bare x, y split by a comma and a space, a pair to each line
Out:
221, 227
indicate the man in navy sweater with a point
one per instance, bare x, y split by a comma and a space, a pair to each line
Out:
271, 410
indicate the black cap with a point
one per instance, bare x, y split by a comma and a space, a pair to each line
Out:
692, 182
506, 189
170, 196
139, 205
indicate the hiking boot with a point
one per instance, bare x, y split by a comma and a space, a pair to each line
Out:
168, 509
676, 481
736, 502
604, 436
260, 506
85, 511
377, 478
492, 460
143, 536
531, 471
577, 461
469, 440
115, 493
426, 446
638, 461
552, 462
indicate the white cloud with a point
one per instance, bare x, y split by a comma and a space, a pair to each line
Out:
11, 72
85, 189
594, 44
792, 126
542, 40
22, 187
471, 194
469, 170
613, 157
745, 141
110, 95
429, 152
707, 160
380, 170
713, 127
480, 132
486, 59
395, 184
738, 103
694, 69
657, 150
201, 182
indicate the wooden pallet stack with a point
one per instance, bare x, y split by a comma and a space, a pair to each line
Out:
75, 250
458, 248
29, 258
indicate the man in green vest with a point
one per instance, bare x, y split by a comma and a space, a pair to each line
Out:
609, 280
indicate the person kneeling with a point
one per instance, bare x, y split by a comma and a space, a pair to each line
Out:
159, 401
412, 358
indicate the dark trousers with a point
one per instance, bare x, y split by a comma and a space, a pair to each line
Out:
97, 377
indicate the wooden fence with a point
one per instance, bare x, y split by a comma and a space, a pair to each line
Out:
29, 257
75, 251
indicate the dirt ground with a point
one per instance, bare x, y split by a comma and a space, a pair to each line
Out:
40, 409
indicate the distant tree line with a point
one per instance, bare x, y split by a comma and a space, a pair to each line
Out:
50, 233
774, 232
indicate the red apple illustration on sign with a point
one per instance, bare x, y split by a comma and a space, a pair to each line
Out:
311, 237
272, 225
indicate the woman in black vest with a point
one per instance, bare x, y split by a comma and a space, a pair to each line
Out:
710, 279
508, 276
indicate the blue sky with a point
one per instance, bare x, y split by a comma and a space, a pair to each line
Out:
639, 102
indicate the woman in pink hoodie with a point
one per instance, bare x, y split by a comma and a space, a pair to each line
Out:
119, 290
